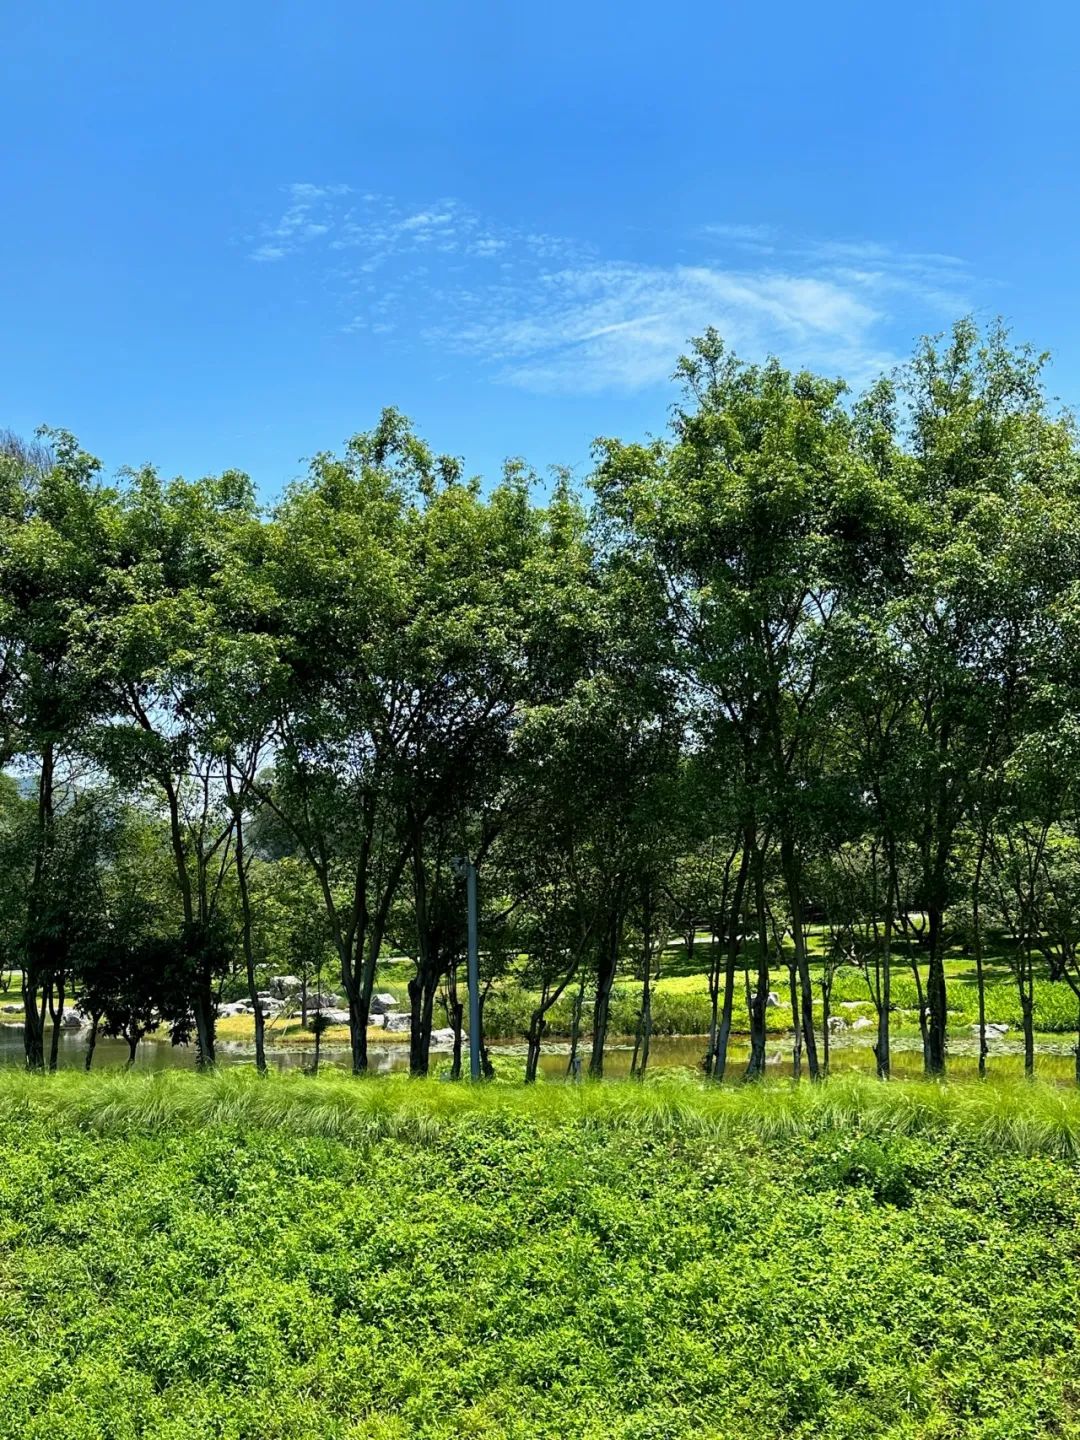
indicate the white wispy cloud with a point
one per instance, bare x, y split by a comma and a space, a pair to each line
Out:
546, 313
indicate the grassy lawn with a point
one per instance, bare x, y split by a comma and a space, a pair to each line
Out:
290, 1259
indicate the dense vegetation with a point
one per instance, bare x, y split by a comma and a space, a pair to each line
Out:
217, 1256
795, 686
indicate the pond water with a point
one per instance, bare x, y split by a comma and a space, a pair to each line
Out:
1054, 1055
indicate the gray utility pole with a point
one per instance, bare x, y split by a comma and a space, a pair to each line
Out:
464, 867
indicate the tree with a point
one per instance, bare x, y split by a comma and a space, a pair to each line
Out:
759, 515
984, 451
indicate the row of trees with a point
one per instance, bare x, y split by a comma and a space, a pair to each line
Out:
804, 658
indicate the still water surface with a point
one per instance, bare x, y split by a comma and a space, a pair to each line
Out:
1054, 1058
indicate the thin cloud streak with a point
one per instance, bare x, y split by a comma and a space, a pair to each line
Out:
547, 314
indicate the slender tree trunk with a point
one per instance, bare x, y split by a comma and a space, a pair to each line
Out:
133, 1045
1027, 1009
757, 1001
805, 1021
573, 1065
715, 976
734, 937
487, 1069
826, 1012
644, 1026
360, 986
976, 928
796, 1031
936, 1003
456, 1016
57, 1016
33, 1022
422, 984
359, 1014
605, 980
535, 1038
205, 1040
91, 1043
37, 973
240, 861
422, 988
881, 1048
924, 1019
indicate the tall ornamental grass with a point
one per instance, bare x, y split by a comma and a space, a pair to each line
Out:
1017, 1117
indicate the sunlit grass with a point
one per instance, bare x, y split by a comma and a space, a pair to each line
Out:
1018, 1117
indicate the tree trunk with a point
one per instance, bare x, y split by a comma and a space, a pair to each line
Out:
757, 1002
57, 1016
796, 1031
605, 980
793, 882
203, 1009
359, 1013
731, 960
644, 1025
936, 1002
133, 1044
91, 1044
924, 1023
245, 928
456, 1017
826, 1011
33, 1023
422, 988
573, 1066
881, 1048
1027, 1008
37, 973
714, 1003
487, 1069
976, 927
535, 1038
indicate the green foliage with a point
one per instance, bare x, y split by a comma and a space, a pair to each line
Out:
801, 674
219, 1257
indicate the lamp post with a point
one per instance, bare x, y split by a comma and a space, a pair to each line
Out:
464, 868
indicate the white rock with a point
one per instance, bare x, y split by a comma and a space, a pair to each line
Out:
383, 1002
398, 1023
444, 1039
863, 1023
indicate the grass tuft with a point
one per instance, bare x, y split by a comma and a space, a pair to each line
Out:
1015, 1117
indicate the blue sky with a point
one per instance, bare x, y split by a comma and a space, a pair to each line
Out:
233, 232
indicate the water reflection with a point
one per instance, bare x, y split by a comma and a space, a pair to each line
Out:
1054, 1058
